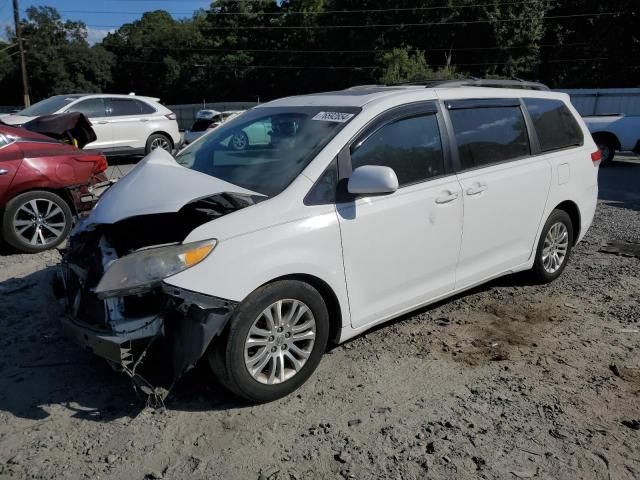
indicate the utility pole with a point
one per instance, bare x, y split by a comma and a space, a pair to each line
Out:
23, 63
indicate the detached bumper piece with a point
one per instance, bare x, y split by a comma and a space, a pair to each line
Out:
122, 329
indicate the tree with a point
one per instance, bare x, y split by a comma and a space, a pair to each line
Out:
59, 58
400, 66
158, 56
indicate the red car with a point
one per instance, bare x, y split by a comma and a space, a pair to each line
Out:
44, 183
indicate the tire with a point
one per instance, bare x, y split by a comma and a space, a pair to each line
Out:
158, 140
239, 141
607, 149
545, 268
26, 226
228, 359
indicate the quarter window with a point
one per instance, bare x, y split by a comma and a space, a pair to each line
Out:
411, 147
145, 108
555, 125
120, 107
91, 108
489, 135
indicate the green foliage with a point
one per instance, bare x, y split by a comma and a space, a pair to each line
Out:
244, 50
401, 66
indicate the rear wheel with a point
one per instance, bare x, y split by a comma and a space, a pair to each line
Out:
554, 247
36, 221
607, 149
158, 140
239, 141
275, 341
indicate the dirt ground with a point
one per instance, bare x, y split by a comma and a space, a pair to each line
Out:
508, 381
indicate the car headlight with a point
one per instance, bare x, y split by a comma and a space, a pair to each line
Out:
145, 269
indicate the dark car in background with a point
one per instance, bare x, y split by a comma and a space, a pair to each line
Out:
44, 184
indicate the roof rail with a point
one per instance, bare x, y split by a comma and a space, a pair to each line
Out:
477, 82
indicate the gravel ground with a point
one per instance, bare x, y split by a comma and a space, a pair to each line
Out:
508, 381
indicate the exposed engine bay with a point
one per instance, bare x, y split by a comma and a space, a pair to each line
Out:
122, 328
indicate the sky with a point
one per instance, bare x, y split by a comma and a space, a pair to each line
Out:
102, 16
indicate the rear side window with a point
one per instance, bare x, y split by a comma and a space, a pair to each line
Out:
91, 108
411, 147
555, 125
145, 108
3, 141
119, 107
489, 135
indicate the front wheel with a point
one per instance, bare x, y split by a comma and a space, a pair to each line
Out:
275, 341
36, 221
554, 247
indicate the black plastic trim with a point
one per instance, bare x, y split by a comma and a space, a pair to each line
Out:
482, 103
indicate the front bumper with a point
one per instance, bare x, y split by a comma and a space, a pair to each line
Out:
120, 329
114, 347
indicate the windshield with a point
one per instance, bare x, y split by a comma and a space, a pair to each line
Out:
266, 148
48, 106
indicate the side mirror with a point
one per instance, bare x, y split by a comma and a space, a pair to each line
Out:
372, 180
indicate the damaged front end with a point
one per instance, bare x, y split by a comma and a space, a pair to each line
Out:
116, 304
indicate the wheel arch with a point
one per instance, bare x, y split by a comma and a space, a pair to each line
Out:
571, 208
61, 192
608, 137
164, 134
329, 297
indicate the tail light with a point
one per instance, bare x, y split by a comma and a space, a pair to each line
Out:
171, 116
100, 162
596, 157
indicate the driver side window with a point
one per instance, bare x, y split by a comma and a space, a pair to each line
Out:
412, 147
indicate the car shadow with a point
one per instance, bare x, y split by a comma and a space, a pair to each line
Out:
42, 372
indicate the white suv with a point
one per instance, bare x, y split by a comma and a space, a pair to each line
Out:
124, 124
366, 204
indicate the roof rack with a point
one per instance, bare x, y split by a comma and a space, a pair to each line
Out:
478, 82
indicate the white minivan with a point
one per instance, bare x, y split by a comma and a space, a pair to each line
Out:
368, 203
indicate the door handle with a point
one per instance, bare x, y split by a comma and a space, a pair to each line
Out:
3, 171
475, 190
449, 197
144, 119
104, 122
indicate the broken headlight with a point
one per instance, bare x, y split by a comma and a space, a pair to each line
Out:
145, 269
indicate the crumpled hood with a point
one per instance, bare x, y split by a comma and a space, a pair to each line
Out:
157, 184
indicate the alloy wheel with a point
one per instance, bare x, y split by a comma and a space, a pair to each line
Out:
39, 222
556, 245
162, 143
280, 341
239, 141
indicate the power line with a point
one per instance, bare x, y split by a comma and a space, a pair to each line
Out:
327, 12
369, 67
266, 50
392, 25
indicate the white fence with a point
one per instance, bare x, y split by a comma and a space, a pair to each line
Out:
605, 101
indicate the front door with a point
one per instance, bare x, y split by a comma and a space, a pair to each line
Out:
400, 250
